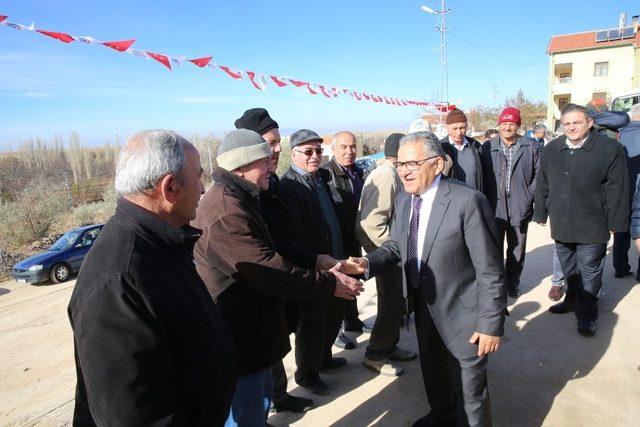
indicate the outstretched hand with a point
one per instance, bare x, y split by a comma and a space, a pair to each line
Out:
354, 265
346, 287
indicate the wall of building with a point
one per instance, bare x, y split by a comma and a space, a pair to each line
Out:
623, 75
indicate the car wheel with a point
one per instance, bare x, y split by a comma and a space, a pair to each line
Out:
60, 273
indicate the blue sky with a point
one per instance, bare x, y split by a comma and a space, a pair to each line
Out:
385, 47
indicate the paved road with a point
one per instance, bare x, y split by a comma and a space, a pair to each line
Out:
545, 373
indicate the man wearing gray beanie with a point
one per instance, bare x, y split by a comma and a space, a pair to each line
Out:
247, 277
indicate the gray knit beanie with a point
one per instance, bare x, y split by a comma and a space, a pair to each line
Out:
241, 147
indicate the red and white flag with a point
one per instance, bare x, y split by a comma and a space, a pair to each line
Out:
163, 59
120, 46
201, 62
231, 73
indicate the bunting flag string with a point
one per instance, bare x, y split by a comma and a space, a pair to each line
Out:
258, 80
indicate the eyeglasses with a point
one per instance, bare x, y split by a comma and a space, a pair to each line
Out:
309, 151
412, 165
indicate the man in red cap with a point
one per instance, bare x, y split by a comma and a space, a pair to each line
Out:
463, 151
510, 165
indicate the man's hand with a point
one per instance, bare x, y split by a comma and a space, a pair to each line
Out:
346, 287
544, 224
354, 266
637, 242
486, 343
325, 262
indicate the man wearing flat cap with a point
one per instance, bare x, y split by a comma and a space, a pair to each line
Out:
373, 224
314, 223
278, 219
248, 279
463, 151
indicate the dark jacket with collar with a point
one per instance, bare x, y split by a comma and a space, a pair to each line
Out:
237, 259
150, 345
524, 168
584, 191
461, 268
278, 219
308, 225
342, 194
456, 171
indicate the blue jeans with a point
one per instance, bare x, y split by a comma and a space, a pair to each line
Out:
557, 279
251, 400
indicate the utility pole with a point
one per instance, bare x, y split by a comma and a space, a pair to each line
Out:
442, 28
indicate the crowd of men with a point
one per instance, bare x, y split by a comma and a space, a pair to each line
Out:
183, 308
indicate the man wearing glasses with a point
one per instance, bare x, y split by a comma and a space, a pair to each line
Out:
455, 273
315, 225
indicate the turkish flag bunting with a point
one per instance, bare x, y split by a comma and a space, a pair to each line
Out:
120, 46
277, 81
2, 18
252, 77
65, 38
376, 98
365, 96
324, 91
160, 58
358, 97
230, 73
201, 62
298, 83
311, 91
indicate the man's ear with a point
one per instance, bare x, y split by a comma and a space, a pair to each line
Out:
169, 187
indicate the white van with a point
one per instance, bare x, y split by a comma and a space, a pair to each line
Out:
624, 101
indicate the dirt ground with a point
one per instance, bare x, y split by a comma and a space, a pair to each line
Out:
545, 373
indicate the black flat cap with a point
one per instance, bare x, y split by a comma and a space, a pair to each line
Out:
303, 136
391, 144
257, 120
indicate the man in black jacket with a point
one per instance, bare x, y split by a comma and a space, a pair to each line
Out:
583, 186
315, 222
346, 183
278, 219
510, 165
463, 151
150, 345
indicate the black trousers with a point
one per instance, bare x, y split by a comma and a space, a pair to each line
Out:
279, 375
621, 244
317, 329
582, 266
456, 389
516, 250
386, 329
351, 320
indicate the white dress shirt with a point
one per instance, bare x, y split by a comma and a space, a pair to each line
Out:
578, 145
465, 144
425, 212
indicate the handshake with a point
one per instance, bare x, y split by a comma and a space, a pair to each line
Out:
346, 287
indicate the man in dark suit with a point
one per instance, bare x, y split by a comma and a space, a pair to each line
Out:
455, 273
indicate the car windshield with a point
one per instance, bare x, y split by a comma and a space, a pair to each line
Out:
66, 241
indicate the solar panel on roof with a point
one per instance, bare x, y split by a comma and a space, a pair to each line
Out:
602, 36
628, 33
614, 34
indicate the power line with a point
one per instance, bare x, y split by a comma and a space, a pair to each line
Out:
490, 28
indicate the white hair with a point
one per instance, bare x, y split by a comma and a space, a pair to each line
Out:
337, 136
432, 146
148, 156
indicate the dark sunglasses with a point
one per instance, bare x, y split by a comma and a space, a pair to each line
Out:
309, 151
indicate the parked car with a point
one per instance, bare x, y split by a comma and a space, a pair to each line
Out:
61, 260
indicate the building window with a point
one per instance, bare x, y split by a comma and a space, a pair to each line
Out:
562, 102
601, 69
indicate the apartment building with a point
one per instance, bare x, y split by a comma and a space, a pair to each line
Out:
592, 67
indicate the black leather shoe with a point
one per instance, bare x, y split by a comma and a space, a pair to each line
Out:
343, 342
587, 328
334, 363
562, 308
621, 274
427, 420
315, 385
293, 404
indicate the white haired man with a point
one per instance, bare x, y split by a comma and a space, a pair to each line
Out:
150, 344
